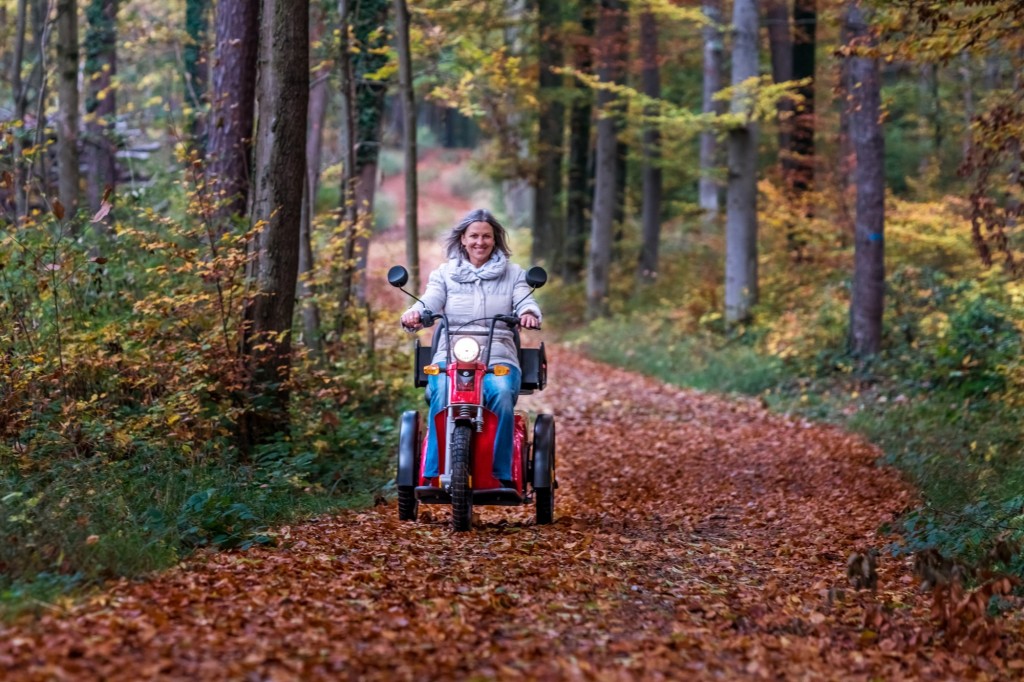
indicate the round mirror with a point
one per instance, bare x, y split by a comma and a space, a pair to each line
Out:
398, 276
536, 277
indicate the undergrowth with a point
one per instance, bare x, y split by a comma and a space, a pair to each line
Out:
941, 400
122, 381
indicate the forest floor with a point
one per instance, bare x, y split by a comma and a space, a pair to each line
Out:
696, 537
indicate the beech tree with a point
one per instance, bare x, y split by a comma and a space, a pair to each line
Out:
866, 305
647, 267
799, 161
408, 97
67, 113
280, 158
548, 218
741, 212
368, 56
100, 99
712, 82
196, 67
319, 74
611, 24
232, 106
780, 41
578, 190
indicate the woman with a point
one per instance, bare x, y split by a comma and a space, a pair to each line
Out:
477, 283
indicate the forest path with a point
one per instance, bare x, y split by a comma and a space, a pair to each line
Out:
695, 538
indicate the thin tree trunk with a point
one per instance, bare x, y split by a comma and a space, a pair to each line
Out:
368, 17
100, 99
37, 170
232, 107
867, 302
311, 334
781, 48
349, 206
610, 38
408, 97
741, 288
805, 43
280, 156
197, 69
548, 224
67, 114
578, 194
20, 107
966, 73
708, 187
647, 268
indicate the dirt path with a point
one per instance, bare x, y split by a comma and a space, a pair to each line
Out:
696, 538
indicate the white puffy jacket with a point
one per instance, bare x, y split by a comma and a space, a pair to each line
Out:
474, 295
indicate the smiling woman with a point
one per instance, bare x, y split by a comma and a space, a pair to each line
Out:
478, 282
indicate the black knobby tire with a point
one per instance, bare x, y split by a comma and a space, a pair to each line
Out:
462, 492
544, 456
545, 505
408, 505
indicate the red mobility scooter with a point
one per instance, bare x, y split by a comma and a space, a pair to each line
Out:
466, 428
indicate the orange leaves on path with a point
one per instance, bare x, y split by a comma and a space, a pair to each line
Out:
695, 538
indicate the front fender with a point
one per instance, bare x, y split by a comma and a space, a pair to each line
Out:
544, 452
408, 449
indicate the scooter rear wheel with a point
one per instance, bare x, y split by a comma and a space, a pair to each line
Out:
462, 489
408, 505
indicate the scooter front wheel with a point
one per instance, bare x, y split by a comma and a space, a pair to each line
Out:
462, 489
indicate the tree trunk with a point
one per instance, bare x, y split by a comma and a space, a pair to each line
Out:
709, 185
966, 73
311, 333
408, 96
100, 100
19, 90
610, 48
548, 224
196, 69
801, 150
367, 18
231, 110
37, 169
578, 196
67, 114
780, 42
280, 157
866, 136
741, 210
347, 133
647, 268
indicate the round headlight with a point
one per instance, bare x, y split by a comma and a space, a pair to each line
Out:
466, 349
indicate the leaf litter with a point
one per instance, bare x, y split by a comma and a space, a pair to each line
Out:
696, 537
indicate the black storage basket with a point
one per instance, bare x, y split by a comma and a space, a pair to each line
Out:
534, 365
423, 356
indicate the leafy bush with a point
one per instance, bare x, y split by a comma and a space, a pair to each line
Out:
121, 387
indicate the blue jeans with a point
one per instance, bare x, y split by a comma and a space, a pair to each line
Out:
500, 396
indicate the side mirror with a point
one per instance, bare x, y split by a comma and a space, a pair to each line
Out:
536, 277
398, 276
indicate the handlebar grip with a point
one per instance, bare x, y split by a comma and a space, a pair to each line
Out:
427, 318
510, 320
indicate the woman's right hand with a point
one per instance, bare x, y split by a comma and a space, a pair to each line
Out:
411, 319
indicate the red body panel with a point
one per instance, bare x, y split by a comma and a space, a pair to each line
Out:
483, 450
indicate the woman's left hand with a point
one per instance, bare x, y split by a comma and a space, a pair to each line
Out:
529, 321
